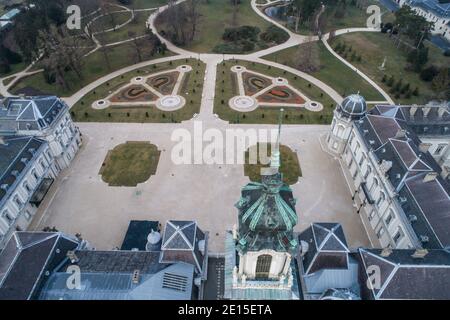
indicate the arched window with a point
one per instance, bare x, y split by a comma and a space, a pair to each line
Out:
263, 266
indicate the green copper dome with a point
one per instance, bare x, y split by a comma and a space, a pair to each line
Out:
267, 216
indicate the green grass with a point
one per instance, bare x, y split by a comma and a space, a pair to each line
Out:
146, 4
332, 71
269, 115
14, 69
194, 82
130, 163
216, 15
353, 17
373, 47
137, 26
290, 167
94, 67
106, 23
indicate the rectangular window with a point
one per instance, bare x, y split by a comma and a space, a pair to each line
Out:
398, 236
389, 219
439, 149
380, 232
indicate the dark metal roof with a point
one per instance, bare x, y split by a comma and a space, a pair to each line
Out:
327, 247
26, 258
387, 131
137, 233
181, 243
29, 113
406, 277
15, 156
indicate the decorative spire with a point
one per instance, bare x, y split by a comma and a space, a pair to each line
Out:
275, 161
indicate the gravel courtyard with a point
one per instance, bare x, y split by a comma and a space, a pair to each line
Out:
80, 202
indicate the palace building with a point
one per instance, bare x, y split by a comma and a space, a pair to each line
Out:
37, 140
396, 159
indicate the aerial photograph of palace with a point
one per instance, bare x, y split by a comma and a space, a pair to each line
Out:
225, 150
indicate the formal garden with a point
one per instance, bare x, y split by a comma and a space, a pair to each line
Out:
135, 96
130, 163
227, 87
290, 166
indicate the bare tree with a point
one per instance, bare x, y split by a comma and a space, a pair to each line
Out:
136, 44
307, 57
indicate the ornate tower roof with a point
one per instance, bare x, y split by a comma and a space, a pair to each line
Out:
267, 213
353, 107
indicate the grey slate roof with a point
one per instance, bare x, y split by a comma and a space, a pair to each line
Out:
29, 113
173, 282
327, 247
389, 132
15, 156
26, 258
181, 243
406, 277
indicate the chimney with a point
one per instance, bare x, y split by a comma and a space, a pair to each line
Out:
386, 166
136, 276
444, 173
430, 177
420, 254
401, 133
426, 111
412, 111
386, 252
72, 256
424, 147
2, 141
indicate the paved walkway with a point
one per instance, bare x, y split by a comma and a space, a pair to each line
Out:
80, 202
206, 193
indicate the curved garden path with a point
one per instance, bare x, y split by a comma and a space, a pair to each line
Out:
212, 60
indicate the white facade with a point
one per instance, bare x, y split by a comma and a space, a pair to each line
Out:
441, 23
16, 211
63, 138
381, 213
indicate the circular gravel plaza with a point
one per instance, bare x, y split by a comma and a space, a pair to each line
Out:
313, 106
243, 103
101, 104
170, 103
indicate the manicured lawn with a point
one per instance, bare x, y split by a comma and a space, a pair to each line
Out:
129, 164
191, 91
226, 88
95, 66
216, 15
374, 47
290, 167
332, 71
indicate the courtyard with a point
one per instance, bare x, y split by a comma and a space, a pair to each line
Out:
81, 202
